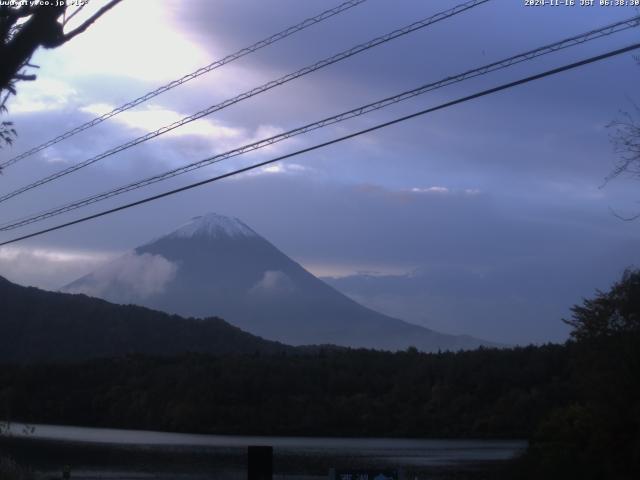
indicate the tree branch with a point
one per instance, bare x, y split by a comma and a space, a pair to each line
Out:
87, 23
25, 77
626, 219
75, 12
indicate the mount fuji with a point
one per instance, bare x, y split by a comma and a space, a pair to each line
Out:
218, 266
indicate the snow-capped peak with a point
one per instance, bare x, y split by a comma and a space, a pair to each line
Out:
214, 225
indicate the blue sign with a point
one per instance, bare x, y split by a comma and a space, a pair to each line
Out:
366, 475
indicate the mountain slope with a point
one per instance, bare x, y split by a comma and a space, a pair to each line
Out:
36, 325
216, 265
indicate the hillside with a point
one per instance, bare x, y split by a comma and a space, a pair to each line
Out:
36, 325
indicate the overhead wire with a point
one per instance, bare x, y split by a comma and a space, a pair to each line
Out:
255, 91
467, 98
483, 70
186, 78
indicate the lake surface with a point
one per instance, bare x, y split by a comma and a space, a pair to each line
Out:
126, 454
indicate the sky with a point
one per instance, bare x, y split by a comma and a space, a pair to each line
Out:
489, 218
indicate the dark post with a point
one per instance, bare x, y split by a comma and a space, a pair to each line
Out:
66, 472
260, 459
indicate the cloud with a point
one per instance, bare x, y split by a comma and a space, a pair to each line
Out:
273, 282
279, 169
434, 189
492, 301
119, 45
153, 117
195, 140
444, 190
45, 94
46, 267
138, 276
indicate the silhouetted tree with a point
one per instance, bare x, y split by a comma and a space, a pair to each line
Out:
609, 313
597, 436
625, 138
25, 27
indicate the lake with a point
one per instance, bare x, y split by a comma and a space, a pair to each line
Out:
99, 453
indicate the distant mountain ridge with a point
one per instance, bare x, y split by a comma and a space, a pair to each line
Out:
36, 325
218, 265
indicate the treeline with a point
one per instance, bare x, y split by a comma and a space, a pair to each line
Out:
483, 393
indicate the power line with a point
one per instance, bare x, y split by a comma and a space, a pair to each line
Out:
335, 140
186, 78
529, 55
255, 91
